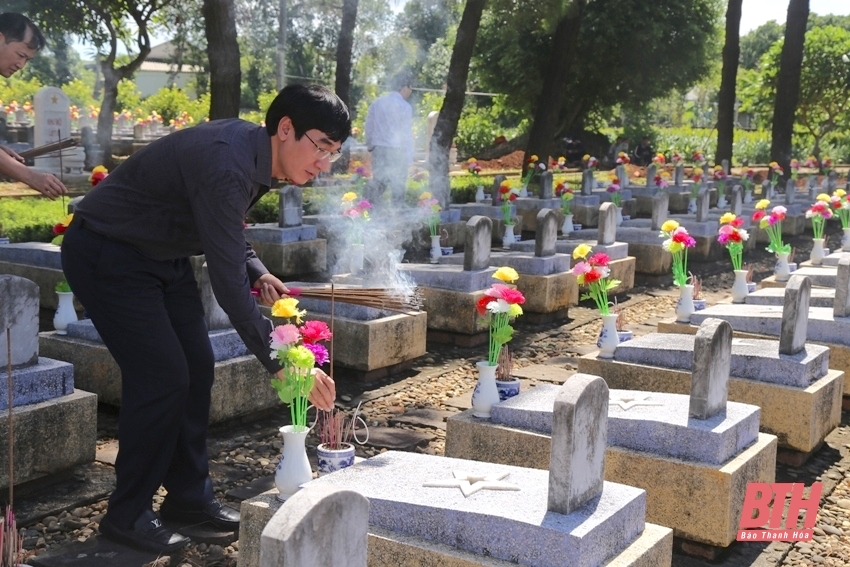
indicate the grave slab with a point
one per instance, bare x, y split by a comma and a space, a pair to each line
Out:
393, 483
271, 233
800, 417
37, 383
705, 507
653, 548
293, 259
448, 277
821, 276
821, 297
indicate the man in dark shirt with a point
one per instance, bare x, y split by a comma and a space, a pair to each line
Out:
644, 153
126, 256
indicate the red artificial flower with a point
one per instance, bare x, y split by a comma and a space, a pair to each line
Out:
738, 222
680, 236
513, 296
59, 228
758, 215
504, 189
481, 307
97, 178
513, 197
315, 331
735, 236
592, 276
600, 259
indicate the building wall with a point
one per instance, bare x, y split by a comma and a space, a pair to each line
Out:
148, 82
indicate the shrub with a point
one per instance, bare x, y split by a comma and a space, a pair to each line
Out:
265, 210
29, 220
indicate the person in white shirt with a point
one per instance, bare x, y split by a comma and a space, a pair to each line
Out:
389, 139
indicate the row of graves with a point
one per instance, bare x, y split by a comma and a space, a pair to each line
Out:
653, 439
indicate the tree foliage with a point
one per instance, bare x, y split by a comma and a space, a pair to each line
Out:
756, 43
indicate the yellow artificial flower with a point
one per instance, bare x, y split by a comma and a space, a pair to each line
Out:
585, 157
665, 174
727, 217
669, 226
287, 307
763, 204
824, 197
839, 192
506, 274
533, 158
698, 171
581, 251
718, 167
424, 195
99, 169
772, 164
348, 197
514, 310
472, 160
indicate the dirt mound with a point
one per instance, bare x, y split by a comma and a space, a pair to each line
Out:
511, 161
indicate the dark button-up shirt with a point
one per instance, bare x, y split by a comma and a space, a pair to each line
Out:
187, 194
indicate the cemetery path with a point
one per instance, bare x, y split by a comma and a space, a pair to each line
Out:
408, 411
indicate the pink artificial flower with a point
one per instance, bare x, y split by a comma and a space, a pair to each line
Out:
315, 331
283, 336
581, 268
599, 259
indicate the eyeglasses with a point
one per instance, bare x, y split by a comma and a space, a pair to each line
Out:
325, 154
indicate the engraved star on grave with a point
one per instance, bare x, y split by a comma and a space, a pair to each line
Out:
628, 402
469, 484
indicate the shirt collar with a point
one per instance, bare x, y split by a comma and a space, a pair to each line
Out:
263, 171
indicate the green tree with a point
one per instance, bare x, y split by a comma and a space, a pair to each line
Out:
757, 42
223, 52
726, 97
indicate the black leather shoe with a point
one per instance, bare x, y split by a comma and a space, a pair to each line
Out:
215, 512
147, 533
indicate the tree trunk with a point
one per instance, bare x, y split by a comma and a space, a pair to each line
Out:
788, 83
446, 127
564, 45
282, 20
726, 96
344, 46
223, 53
111, 78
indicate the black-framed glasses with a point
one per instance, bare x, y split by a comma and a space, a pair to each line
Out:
325, 154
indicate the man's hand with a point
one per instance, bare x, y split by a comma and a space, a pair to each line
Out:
12, 154
46, 184
271, 289
323, 393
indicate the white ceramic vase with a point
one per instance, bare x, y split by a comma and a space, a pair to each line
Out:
65, 313
486, 394
508, 238
356, 260
479, 193
567, 227
782, 271
845, 240
608, 337
740, 289
523, 192
619, 216
721, 201
293, 470
748, 197
685, 305
436, 252
692, 205
332, 460
817, 254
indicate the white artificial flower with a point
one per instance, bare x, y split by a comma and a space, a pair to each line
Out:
744, 234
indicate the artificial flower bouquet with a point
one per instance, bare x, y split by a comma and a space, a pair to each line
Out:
508, 195
592, 272
98, 174
559, 164
432, 208
697, 175
795, 169
500, 305
360, 175
474, 169
565, 192
776, 172
677, 243
623, 158
826, 165
535, 166
661, 180
719, 180
772, 224
298, 350
357, 211
747, 178
614, 190
676, 158
732, 236
60, 228
819, 212
840, 206
590, 162
812, 162
698, 157
659, 160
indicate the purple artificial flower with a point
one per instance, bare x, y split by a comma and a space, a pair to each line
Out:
319, 352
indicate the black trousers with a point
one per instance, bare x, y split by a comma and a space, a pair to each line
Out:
149, 315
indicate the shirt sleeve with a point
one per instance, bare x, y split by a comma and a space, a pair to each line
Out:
219, 201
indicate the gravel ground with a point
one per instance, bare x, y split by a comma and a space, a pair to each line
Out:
241, 453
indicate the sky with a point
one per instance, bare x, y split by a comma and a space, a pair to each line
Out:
757, 12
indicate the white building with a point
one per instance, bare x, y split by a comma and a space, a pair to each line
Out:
158, 71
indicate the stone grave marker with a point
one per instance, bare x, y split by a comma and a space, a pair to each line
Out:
702, 205
832, 182
710, 375
497, 182
766, 189
546, 185
290, 201
660, 207
214, 316
546, 233
622, 176
651, 172
725, 165
795, 315
19, 314
790, 192
737, 200
678, 174
706, 169
52, 123
319, 525
476, 252
841, 303
579, 436
607, 231
587, 181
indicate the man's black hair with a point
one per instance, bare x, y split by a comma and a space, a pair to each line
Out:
310, 107
14, 28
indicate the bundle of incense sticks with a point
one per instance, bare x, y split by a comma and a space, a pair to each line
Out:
377, 297
48, 148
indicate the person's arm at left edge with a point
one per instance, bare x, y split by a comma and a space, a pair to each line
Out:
11, 165
219, 202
